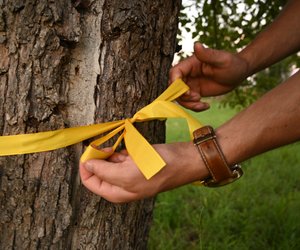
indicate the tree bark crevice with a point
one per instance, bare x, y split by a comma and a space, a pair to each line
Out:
70, 63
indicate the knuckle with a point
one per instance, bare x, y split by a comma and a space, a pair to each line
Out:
206, 69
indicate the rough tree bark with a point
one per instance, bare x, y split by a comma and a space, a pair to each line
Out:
66, 63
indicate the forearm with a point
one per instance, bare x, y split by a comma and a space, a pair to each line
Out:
270, 122
279, 40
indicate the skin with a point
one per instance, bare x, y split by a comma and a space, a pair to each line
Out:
267, 124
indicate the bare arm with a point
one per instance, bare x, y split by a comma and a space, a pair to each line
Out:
211, 72
271, 122
279, 40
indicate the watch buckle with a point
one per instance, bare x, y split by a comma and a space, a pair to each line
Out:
237, 173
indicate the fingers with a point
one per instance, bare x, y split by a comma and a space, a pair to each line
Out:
195, 106
209, 56
187, 67
107, 179
106, 190
118, 157
116, 194
191, 96
203, 63
119, 171
193, 102
110, 172
84, 173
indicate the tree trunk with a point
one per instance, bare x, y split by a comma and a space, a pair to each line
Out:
68, 63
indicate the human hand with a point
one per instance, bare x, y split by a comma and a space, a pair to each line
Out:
208, 72
118, 179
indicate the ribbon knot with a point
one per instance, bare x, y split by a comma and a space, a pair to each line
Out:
143, 154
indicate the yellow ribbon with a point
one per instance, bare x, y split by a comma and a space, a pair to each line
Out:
142, 153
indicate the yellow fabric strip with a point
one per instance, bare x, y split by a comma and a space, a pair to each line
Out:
174, 91
45, 141
163, 109
143, 154
93, 152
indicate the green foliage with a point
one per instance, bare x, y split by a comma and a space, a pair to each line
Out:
230, 25
177, 129
260, 211
260, 83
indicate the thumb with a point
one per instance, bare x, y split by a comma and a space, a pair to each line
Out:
209, 56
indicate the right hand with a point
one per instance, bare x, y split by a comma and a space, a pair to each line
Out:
208, 72
118, 179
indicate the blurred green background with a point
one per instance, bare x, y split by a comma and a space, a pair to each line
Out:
260, 211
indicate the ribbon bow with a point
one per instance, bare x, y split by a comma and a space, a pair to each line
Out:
143, 154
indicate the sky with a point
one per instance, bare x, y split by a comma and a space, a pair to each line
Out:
188, 41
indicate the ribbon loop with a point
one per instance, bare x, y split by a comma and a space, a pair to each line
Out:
142, 153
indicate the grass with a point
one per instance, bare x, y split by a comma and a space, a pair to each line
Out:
259, 212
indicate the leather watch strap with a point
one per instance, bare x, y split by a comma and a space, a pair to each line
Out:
212, 155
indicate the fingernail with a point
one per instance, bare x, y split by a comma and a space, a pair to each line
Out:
197, 44
205, 106
89, 166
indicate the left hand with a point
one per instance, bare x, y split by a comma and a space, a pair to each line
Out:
118, 179
208, 72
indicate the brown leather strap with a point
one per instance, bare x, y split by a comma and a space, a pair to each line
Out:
205, 140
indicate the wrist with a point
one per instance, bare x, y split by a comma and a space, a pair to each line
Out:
220, 172
183, 165
189, 160
195, 162
248, 56
227, 140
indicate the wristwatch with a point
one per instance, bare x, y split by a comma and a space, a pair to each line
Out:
220, 173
